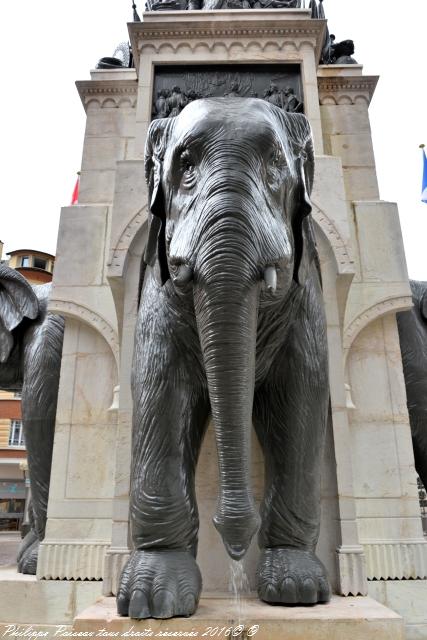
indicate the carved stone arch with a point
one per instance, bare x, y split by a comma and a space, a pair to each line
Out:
125, 262
202, 47
126, 102
108, 103
93, 103
361, 99
328, 99
240, 47
376, 311
254, 45
119, 253
302, 43
345, 99
269, 45
344, 260
90, 317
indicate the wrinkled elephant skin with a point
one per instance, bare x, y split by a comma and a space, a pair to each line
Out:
30, 361
231, 324
412, 327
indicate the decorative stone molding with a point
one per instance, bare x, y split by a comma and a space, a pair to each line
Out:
118, 253
352, 571
246, 29
115, 560
346, 89
385, 307
115, 405
225, 47
108, 93
396, 560
73, 560
90, 317
342, 255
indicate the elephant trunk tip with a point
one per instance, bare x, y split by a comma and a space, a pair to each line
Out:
236, 551
237, 533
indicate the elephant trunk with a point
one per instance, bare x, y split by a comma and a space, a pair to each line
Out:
226, 294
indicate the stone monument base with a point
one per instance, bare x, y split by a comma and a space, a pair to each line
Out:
409, 599
356, 618
24, 600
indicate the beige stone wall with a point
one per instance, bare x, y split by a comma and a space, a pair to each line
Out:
365, 283
385, 486
81, 491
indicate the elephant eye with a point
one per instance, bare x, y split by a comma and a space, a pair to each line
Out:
277, 158
188, 169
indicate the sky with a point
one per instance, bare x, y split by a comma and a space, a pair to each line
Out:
47, 45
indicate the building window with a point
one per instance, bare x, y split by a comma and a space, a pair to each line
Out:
25, 261
16, 434
39, 263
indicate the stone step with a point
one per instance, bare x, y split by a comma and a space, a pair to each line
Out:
360, 618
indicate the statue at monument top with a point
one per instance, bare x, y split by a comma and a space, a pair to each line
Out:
215, 5
343, 52
338, 52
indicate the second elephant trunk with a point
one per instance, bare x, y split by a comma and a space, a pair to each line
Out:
226, 311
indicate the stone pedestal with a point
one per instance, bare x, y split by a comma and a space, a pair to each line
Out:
355, 618
24, 600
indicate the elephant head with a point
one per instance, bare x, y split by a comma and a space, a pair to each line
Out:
229, 183
18, 304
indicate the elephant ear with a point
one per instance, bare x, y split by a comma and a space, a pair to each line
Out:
299, 143
17, 301
155, 148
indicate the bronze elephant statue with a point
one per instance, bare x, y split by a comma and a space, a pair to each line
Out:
30, 361
231, 325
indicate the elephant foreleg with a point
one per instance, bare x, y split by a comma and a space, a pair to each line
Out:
290, 413
42, 357
162, 578
419, 439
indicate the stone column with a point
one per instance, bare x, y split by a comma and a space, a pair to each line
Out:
80, 501
378, 436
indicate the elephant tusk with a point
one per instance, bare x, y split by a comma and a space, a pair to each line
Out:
183, 275
270, 279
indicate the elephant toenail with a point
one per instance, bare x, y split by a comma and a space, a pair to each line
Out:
138, 606
289, 591
308, 591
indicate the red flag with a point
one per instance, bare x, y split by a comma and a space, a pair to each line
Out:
75, 196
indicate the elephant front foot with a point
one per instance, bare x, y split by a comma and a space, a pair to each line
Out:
159, 584
28, 554
292, 576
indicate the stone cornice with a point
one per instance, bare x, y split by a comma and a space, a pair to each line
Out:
105, 93
178, 28
346, 89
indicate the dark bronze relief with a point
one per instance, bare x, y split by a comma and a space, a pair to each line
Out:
175, 87
214, 5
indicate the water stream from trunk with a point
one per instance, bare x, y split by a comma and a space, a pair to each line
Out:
239, 586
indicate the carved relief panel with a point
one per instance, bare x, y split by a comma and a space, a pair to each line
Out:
175, 86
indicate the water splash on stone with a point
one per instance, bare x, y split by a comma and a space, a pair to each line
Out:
239, 586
